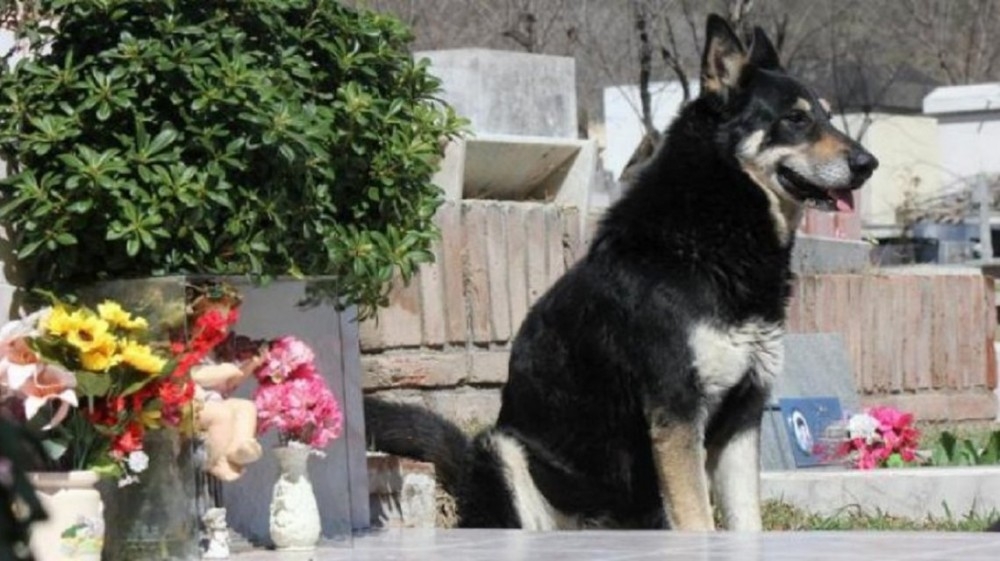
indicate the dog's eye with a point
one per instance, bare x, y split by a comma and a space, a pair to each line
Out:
797, 118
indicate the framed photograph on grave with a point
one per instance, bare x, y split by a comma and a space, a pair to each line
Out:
806, 421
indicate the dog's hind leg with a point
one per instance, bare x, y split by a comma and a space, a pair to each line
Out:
736, 480
679, 453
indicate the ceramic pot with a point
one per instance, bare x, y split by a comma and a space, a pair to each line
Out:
75, 528
294, 514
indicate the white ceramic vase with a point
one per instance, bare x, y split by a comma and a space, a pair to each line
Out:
294, 521
75, 528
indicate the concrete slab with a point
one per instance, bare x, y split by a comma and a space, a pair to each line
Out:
596, 545
816, 255
913, 493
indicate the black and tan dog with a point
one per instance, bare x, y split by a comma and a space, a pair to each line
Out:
638, 381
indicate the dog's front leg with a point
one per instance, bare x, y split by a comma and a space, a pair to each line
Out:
735, 470
679, 453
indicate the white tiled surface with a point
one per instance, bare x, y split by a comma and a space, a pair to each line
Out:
514, 545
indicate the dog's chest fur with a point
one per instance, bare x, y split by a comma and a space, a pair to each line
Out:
723, 355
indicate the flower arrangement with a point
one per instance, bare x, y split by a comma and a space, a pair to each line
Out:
90, 382
293, 398
880, 437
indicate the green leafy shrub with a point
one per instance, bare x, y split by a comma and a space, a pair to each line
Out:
952, 451
261, 137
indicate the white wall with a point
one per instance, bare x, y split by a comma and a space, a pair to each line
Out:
622, 122
968, 130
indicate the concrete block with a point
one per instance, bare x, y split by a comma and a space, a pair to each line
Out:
450, 176
10, 301
503, 92
402, 492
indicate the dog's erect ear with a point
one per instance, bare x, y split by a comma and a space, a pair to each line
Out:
724, 58
762, 51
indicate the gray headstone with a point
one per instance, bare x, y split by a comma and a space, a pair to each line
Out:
816, 365
504, 92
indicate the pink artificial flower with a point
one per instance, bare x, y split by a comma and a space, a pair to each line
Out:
287, 357
892, 432
300, 409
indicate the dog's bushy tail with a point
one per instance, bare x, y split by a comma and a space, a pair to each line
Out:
418, 433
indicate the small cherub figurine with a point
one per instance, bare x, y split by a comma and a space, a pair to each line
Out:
228, 424
216, 541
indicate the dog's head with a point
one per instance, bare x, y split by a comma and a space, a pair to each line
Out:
776, 128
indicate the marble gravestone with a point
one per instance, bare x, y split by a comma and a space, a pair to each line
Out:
816, 365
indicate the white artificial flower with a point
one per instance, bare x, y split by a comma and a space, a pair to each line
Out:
863, 426
138, 461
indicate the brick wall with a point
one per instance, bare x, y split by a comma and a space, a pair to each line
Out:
920, 340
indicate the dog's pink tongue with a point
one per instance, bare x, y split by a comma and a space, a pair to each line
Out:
844, 200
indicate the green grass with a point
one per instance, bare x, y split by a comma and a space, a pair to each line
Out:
784, 517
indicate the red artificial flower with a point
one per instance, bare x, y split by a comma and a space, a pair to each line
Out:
129, 440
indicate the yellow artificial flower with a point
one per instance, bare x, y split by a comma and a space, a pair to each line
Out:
100, 354
59, 321
87, 332
113, 313
141, 357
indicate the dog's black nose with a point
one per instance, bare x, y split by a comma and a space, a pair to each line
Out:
862, 163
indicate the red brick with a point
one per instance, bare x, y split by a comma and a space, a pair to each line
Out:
869, 333
573, 247
885, 335
453, 239
972, 405
414, 369
990, 329
856, 335
924, 406
555, 265
399, 322
924, 333
474, 261
488, 367
909, 326
517, 263
537, 246
432, 318
499, 277
939, 332
371, 337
